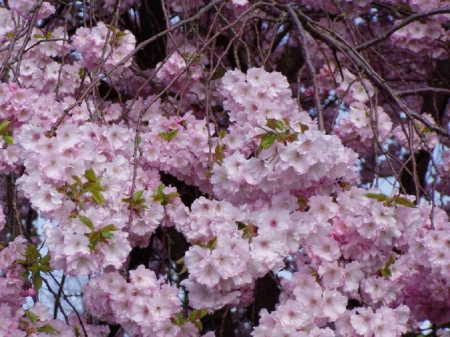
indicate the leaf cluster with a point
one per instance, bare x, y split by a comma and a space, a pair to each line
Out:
194, 317
168, 135
78, 190
161, 197
101, 235
387, 201
35, 263
136, 203
278, 131
47, 328
5, 133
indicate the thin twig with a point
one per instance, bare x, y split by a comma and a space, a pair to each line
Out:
312, 72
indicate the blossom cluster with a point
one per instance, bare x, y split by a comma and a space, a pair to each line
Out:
142, 304
271, 145
416, 135
420, 37
14, 319
103, 47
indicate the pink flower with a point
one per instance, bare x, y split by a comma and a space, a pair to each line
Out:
46, 198
75, 243
363, 321
291, 157
141, 311
291, 315
81, 264
270, 222
326, 248
322, 207
353, 275
332, 275
226, 263
142, 277
208, 273
116, 250
334, 304
161, 308
268, 249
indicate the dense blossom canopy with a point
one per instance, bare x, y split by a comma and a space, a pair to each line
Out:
224, 168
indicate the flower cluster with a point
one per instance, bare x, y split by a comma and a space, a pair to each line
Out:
420, 37
356, 129
103, 47
178, 145
142, 304
272, 146
416, 135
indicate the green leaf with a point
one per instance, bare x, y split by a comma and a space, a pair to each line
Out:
197, 314
77, 331
94, 238
168, 136
218, 74
137, 195
172, 195
98, 197
32, 316
199, 325
304, 127
164, 135
404, 202
37, 281
92, 187
240, 225
219, 154
86, 221
38, 36
160, 189
81, 73
172, 134
267, 140
35, 268
48, 329
120, 35
8, 140
179, 319
212, 243
109, 228
378, 196
32, 253
275, 124
193, 315
90, 175
107, 235
3, 127
46, 258
385, 270
183, 270
77, 180
46, 268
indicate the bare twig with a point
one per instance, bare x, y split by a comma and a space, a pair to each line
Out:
312, 72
